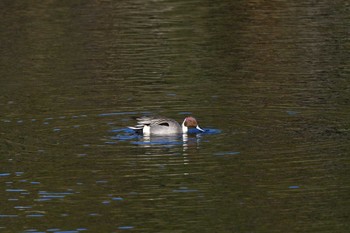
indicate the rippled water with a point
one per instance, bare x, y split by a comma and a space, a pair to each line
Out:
268, 80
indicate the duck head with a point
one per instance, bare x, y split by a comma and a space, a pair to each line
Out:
190, 122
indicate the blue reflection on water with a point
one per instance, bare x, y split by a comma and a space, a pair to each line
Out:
74, 231
8, 215
57, 230
292, 113
35, 182
125, 227
23, 207
184, 190
193, 136
34, 231
210, 131
122, 137
16, 190
227, 153
35, 215
47, 196
123, 130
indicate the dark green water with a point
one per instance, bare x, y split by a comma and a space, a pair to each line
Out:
273, 77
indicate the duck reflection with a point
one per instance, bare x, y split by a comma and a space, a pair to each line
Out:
184, 140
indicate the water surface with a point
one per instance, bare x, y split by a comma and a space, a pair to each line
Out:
269, 79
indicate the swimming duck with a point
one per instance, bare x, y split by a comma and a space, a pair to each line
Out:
159, 125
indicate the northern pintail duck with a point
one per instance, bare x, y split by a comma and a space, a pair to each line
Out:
159, 125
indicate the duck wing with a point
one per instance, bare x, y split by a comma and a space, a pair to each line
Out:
153, 121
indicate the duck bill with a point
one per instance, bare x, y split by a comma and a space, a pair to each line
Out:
199, 128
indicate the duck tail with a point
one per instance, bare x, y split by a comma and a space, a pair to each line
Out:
136, 129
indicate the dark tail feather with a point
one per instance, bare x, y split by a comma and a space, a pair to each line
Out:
136, 130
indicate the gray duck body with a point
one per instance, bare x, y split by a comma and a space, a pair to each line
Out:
159, 125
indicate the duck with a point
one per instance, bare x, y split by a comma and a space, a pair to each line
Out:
159, 125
